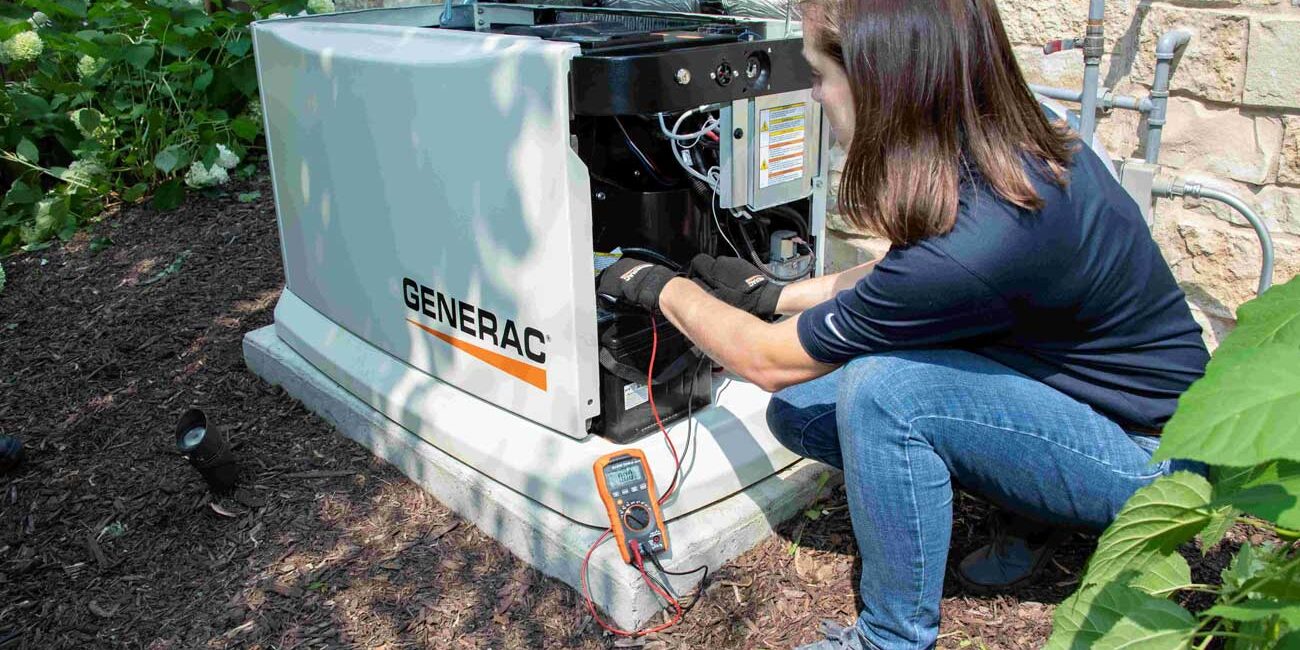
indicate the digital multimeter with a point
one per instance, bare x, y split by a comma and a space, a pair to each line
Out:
628, 490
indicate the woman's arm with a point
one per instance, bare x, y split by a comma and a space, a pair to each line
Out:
804, 294
766, 354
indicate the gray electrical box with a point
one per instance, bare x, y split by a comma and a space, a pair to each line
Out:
771, 149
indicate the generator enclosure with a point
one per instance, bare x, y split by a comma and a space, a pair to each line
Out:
432, 191
447, 186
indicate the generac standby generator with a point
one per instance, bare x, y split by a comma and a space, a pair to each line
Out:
447, 186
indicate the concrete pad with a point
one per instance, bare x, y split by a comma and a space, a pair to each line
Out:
547, 540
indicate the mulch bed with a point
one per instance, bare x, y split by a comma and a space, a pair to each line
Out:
108, 538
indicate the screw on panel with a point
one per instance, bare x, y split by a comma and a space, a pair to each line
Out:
600, 196
480, 11
682, 76
738, 133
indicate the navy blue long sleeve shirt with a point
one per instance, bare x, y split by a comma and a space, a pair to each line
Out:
1075, 295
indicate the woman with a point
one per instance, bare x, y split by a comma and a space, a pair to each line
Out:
1022, 337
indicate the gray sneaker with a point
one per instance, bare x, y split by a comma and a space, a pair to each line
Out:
11, 452
838, 637
1016, 556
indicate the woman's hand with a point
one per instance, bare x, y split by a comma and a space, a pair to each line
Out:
737, 283
634, 281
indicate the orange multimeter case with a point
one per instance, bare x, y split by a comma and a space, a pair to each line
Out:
628, 489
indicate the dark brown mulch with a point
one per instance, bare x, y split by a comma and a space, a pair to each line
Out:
107, 538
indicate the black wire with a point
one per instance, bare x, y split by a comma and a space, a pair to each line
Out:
645, 160
699, 591
793, 215
637, 252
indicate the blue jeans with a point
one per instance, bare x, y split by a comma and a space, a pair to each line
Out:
905, 425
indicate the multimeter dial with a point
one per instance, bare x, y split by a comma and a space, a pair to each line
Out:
637, 516
628, 491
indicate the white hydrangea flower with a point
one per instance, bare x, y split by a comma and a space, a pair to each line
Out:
24, 46
86, 170
203, 176
38, 20
254, 109
320, 6
88, 66
226, 158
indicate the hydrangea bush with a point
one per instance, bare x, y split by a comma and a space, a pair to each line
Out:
107, 101
1243, 420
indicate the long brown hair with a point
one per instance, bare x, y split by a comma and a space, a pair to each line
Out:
937, 95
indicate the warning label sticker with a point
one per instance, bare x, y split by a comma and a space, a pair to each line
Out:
781, 143
634, 395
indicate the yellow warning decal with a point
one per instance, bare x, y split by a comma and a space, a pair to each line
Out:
781, 151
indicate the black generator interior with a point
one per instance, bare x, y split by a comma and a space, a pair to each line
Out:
638, 72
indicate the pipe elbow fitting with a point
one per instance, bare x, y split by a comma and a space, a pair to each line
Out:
1172, 41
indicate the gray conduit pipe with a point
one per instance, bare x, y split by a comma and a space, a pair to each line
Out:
1166, 188
1094, 45
1168, 45
1106, 100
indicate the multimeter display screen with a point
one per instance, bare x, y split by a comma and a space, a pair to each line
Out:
622, 475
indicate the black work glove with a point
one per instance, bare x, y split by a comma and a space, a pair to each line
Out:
634, 281
737, 283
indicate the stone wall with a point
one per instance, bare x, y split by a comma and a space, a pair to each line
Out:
1233, 124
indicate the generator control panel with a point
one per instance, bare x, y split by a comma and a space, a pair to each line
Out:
628, 491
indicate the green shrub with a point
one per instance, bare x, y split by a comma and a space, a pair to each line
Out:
116, 100
1242, 419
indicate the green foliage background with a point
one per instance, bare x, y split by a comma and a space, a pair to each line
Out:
123, 96
1243, 419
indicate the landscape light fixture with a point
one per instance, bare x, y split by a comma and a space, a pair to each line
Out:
207, 450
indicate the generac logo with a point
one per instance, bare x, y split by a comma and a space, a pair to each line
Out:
499, 342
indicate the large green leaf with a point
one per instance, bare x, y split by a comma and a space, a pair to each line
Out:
28, 106
245, 128
169, 195
1254, 610
135, 192
138, 55
1243, 412
1154, 522
1118, 616
21, 193
87, 119
239, 46
1271, 318
202, 81
28, 151
1271, 491
1162, 575
1154, 624
169, 159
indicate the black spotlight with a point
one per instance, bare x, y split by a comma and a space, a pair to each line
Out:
207, 450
